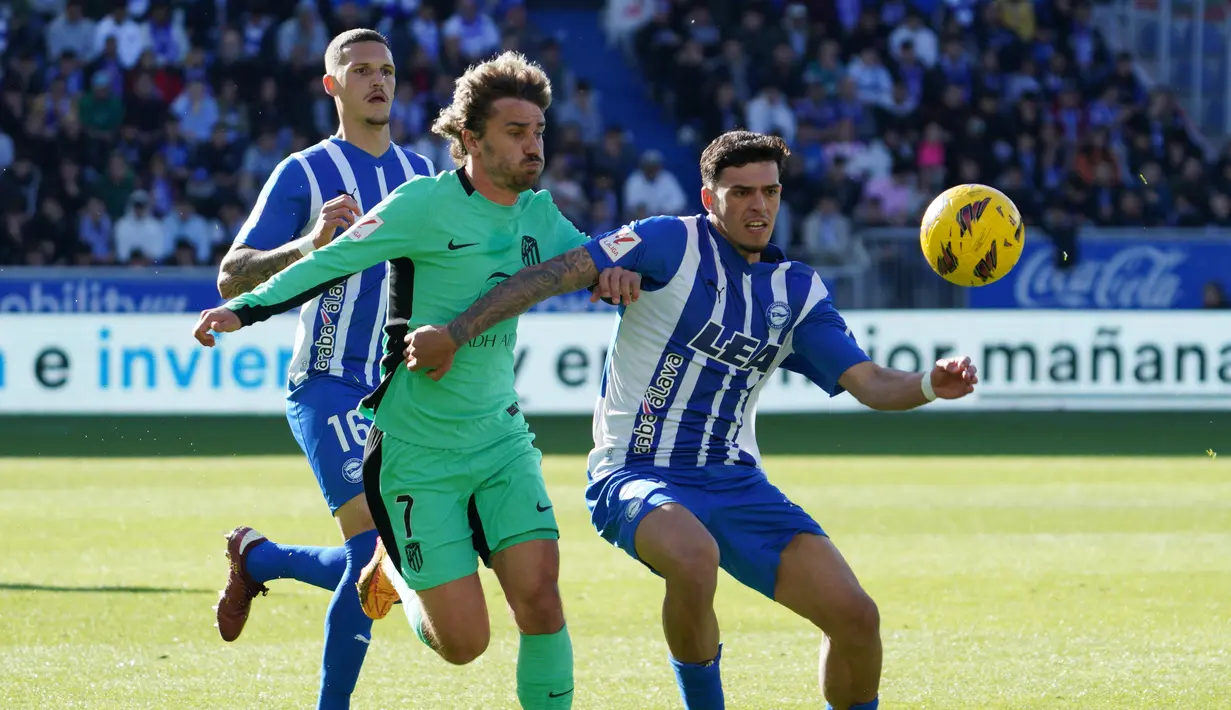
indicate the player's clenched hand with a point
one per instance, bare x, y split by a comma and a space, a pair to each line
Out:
338, 213
617, 286
219, 320
430, 350
954, 378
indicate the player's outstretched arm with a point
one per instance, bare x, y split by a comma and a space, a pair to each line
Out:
431, 347
826, 352
244, 268
889, 390
573, 270
366, 244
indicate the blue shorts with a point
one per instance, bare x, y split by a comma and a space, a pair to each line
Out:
324, 416
751, 519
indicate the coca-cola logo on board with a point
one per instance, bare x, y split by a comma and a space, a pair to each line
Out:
1133, 277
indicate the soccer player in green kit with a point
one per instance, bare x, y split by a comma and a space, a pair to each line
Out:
449, 468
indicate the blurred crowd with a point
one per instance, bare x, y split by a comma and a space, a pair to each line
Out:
885, 105
141, 132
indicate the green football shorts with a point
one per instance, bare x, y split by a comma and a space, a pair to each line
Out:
441, 510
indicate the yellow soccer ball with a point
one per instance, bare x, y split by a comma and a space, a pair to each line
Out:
972, 235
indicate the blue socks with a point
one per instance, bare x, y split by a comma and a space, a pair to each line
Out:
348, 631
700, 683
871, 705
701, 686
319, 566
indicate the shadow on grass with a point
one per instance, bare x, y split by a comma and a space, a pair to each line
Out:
15, 587
864, 434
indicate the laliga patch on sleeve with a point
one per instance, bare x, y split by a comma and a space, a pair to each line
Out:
366, 227
617, 244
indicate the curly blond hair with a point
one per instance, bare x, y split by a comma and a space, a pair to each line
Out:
508, 76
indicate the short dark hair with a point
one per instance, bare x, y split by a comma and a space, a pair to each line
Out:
736, 149
508, 76
333, 53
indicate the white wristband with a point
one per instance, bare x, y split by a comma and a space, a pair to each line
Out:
928, 392
306, 245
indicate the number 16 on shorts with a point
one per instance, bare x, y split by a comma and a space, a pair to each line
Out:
355, 432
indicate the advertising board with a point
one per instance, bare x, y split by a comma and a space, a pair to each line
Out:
157, 290
1119, 273
1087, 360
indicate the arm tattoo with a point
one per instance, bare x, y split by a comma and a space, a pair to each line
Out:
245, 268
572, 270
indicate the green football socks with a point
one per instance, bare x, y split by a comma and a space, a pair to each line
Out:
545, 671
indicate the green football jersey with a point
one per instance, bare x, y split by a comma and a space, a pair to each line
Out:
446, 246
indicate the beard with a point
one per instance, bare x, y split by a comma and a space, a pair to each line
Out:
517, 175
377, 120
745, 243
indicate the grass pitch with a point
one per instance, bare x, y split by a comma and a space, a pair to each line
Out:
1017, 582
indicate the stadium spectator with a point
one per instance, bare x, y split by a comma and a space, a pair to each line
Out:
110, 100
130, 36
1213, 296
915, 34
475, 33
303, 32
185, 226
70, 32
770, 113
139, 232
614, 158
94, 229
196, 111
20, 184
653, 189
582, 109
566, 190
884, 108
102, 110
828, 239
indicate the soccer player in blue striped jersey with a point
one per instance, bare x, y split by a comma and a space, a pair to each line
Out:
311, 197
675, 476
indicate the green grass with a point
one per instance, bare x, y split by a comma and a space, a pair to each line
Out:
1015, 582
931, 433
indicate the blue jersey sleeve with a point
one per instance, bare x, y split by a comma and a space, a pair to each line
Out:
281, 211
823, 347
651, 247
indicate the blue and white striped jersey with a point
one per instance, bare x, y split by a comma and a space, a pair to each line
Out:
340, 331
690, 357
